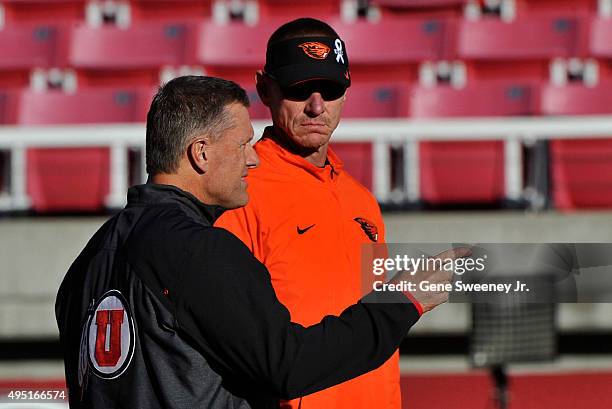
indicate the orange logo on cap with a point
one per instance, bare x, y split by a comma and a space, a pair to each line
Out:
315, 50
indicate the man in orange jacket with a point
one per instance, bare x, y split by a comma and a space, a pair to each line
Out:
308, 219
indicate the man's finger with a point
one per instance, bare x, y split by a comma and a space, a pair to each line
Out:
459, 252
441, 276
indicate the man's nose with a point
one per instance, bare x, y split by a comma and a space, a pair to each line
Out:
252, 160
315, 105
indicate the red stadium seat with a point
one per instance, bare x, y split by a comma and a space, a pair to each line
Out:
422, 8
87, 106
24, 47
600, 45
467, 172
141, 46
170, 10
234, 44
581, 173
75, 179
28, 46
257, 109
234, 51
357, 158
490, 98
68, 179
43, 11
601, 38
462, 172
412, 4
394, 40
558, 7
581, 170
392, 49
577, 99
113, 56
290, 10
8, 104
369, 100
518, 50
376, 100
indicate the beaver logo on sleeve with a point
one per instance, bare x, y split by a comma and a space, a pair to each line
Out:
368, 228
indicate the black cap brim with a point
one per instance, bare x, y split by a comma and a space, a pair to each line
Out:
294, 74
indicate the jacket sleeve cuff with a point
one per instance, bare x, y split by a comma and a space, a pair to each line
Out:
414, 302
394, 297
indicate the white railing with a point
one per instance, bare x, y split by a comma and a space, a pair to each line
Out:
382, 133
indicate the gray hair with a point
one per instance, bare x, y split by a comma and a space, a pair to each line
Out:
181, 110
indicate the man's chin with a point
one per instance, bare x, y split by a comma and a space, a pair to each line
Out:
238, 203
313, 140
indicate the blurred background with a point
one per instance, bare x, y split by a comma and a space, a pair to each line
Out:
470, 120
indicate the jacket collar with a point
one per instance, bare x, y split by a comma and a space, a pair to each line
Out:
152, 193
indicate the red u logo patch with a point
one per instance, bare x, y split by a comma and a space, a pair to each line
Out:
108, 347
110, 336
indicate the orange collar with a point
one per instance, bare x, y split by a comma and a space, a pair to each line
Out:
271, 151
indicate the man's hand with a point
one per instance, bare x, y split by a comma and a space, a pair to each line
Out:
438, 280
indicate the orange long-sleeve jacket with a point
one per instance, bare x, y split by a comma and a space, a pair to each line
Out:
309, 225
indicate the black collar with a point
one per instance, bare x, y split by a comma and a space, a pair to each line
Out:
152, 193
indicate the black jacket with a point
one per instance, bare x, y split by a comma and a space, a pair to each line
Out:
161, 310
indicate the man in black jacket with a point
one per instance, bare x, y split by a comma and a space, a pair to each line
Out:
161, 310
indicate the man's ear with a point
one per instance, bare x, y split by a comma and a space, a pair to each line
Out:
198, 155
263, 87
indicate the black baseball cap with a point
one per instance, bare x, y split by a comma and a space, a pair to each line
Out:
297, 60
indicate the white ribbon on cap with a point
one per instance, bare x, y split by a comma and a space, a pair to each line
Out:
338, 51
